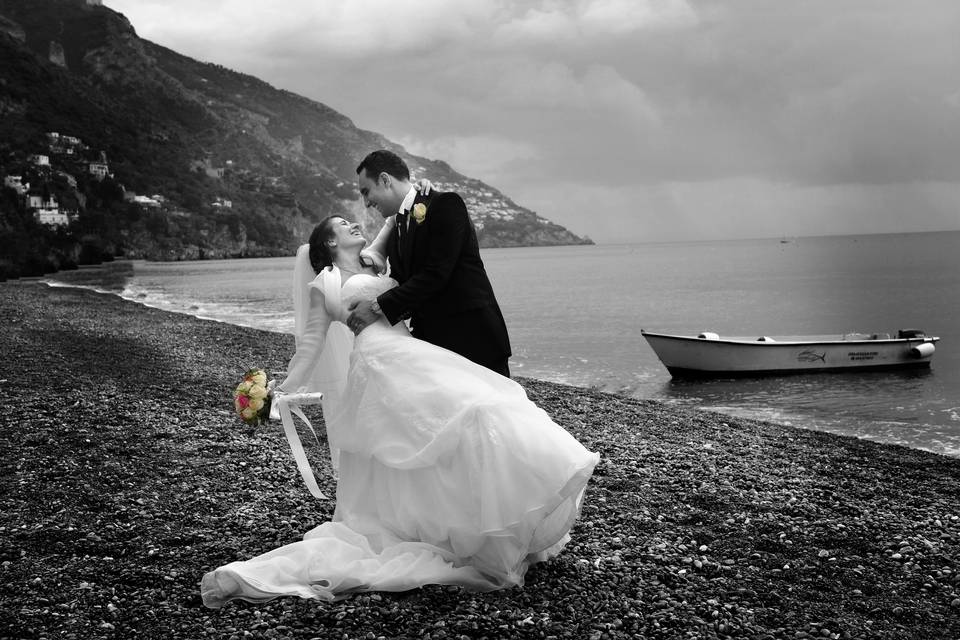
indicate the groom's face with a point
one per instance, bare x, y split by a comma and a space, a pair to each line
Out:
377, 193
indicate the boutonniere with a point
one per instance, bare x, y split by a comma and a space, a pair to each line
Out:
419, 212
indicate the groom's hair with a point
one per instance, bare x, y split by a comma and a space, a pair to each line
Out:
379, 161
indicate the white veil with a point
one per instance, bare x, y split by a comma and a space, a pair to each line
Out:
330, 374
303, 275
319, 325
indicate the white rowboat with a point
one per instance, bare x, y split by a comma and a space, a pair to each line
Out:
712, 355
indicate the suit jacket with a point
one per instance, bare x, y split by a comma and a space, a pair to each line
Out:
444, 287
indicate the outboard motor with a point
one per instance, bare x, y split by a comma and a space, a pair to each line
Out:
923, 350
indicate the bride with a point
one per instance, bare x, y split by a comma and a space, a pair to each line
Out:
448, 473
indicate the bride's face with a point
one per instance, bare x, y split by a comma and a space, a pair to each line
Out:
347, 236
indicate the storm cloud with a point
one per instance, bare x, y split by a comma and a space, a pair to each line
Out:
632, 119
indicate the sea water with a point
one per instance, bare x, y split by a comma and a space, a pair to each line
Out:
575, 315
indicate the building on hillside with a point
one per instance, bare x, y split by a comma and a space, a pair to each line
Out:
35, 201
66, 145
53, 217
17, 184
57, 55
39, 160
99, 170
222, 203
46, 211
146, 202
55, 138
206, 166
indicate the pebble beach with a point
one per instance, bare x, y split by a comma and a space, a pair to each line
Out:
125, 476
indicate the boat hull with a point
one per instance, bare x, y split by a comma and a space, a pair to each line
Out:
687, 356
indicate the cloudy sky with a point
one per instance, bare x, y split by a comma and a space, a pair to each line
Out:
631, 120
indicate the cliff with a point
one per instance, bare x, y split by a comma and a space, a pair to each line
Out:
196, 134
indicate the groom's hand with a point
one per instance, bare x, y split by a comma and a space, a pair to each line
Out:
361, 315
370, 258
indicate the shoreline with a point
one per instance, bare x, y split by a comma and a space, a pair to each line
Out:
948, 448
884, 407
127, 476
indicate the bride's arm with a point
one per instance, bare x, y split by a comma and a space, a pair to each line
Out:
309, 345
377, 250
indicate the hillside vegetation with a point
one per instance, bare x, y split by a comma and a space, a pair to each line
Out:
203, 162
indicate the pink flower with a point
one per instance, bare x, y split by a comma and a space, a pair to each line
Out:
244, 402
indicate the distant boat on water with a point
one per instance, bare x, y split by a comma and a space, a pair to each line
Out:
710, 355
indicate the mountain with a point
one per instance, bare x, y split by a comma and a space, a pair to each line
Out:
194, 160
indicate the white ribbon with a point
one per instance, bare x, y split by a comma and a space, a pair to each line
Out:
287, 404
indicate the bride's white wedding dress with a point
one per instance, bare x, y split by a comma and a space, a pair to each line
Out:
448, 474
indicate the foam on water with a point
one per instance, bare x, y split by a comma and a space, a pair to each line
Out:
580, 324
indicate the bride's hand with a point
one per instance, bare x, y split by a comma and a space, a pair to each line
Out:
424, 186
274, 393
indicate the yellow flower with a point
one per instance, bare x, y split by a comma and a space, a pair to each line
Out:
248, 413
260, 377
256, 404
419, 212
257, 391
244, 387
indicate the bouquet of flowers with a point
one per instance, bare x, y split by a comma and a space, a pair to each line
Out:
252, 397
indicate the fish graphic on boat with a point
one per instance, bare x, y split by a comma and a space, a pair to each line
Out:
812, 356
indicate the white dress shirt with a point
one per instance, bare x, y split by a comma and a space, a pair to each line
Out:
407, 203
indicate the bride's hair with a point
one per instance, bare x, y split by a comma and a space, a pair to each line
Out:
321, 256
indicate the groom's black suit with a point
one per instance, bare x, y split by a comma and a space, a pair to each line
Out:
444, 288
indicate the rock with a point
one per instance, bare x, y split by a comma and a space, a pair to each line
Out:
164, 542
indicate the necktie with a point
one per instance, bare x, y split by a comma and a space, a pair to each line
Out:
402, 227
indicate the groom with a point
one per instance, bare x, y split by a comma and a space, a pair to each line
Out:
435, 257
